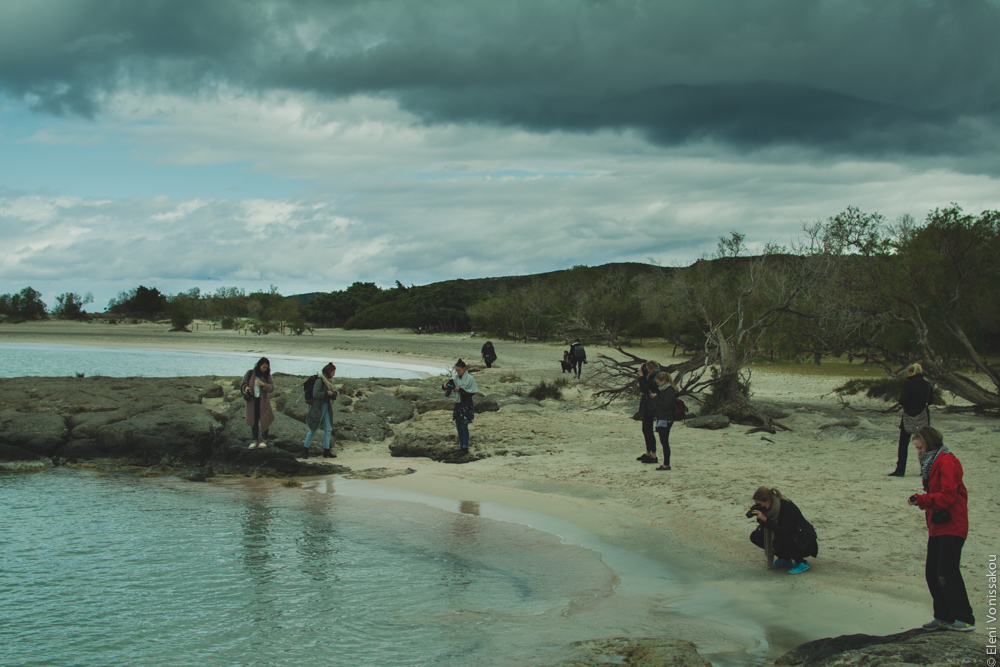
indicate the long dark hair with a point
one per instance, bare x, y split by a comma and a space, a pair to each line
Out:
263, 375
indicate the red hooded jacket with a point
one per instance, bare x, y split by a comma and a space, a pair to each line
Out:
946, 491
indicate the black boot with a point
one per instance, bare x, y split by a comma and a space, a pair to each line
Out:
305, 453
327, 454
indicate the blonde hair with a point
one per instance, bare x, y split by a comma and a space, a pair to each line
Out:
652, 366
764, 494
664, 376
915, 369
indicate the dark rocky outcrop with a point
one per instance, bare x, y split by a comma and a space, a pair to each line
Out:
392, 409
172, 423
913, 647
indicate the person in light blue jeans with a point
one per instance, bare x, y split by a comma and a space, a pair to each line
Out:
462, 386
321, 411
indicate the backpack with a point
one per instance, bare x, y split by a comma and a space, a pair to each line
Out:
579, 352
679, 411
307, 388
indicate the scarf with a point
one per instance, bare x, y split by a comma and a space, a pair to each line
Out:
772, 515
328, 382
466, 382
927, 462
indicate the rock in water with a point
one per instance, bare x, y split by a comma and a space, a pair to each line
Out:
913, 647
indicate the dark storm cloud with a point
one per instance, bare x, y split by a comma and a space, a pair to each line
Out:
873, 78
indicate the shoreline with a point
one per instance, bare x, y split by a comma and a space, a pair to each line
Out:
868, 577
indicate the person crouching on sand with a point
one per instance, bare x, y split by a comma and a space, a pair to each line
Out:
463, 386
946, 506
259, 416
782, 531
321, 411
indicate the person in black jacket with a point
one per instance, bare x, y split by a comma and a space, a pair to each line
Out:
489, 354
663, 405
579, 356
647, 408
782, 531
915, 399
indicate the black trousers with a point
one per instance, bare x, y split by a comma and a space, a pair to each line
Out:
944, 579
255, 429
648, 432
783, 547
902, 450
664, 432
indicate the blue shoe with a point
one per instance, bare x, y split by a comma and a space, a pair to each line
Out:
780, 562
935, 624
961, 626
800, 568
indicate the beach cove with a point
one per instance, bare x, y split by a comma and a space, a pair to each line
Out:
579, 466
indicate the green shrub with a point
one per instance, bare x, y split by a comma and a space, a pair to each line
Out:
560, 382
510, 377
541, 391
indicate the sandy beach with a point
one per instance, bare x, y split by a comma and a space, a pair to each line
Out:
869, 575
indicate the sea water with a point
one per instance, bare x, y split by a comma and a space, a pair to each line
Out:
26, 359
99, 569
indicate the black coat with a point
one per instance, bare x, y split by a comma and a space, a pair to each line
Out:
794, 537
647, 385
917, 394
664, 402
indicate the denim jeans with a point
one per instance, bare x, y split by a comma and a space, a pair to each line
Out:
463, 435
324, 423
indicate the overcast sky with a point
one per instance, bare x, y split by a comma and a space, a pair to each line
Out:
308, 145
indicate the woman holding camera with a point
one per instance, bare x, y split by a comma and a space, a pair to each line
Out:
321, 411
463, 386
256, 388
782, 531
946, 506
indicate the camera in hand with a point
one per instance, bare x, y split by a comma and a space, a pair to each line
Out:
755, 508
913, 498
449, 387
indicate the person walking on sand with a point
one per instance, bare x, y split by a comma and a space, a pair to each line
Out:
257, 387
664, 399
489, 354
946, 509
782, 531
320, 413
462, 386
579, 356
915, 401
647, 408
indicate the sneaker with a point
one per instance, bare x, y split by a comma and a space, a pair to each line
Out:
253, 445
651, 459
800, 568
262, 445
780, 562
961, 626
327, 454
935, 624
305, 453
896, 473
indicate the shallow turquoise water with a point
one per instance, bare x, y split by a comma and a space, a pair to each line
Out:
26, 359
118, 570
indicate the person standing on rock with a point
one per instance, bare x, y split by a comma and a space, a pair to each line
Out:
489, 354
321, 411
946, 506
915, 401
462, 386
259, 416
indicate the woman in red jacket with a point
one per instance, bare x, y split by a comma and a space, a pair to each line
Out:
946, 505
